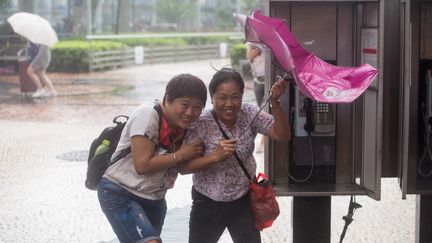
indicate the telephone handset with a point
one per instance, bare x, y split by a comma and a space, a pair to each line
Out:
313, 118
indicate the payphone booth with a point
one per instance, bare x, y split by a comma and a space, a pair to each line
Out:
342, 155
415, 121
416, 91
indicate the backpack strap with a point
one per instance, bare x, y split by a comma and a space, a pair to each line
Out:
158, 109
126, 151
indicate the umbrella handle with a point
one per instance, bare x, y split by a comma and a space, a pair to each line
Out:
289, 77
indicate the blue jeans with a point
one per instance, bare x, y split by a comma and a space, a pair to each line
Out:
133, 218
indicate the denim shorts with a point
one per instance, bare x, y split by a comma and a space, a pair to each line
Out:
133, 218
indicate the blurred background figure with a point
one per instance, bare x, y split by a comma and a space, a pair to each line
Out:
40, 57
257, 61
42, 36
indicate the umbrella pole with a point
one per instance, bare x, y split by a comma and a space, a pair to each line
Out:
288, 78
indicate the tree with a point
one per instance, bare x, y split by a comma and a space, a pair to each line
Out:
250, 5
174, 11
123, 17
4, 5
224, 17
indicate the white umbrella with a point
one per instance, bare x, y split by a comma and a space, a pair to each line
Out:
33, 27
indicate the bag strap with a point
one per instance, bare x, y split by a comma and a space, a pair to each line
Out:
240, 162
126, 151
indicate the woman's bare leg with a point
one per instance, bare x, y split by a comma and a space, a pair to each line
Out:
34, 77
47, 81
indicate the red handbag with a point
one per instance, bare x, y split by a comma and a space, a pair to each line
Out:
263, 202
261, 195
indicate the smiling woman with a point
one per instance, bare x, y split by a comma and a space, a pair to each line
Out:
132, 191
220, 187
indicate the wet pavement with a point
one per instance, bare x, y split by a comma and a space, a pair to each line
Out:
43, 152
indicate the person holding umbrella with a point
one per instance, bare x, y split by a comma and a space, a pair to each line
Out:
37, 71
220, 198
39, 32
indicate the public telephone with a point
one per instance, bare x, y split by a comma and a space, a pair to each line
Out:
313, 117
313, 144
424, 167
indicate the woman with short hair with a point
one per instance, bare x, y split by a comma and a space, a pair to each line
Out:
132, 190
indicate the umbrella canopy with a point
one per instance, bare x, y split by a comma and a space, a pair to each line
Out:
314, 77
33, 27
241, 18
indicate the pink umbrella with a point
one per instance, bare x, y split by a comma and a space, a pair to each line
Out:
314, 77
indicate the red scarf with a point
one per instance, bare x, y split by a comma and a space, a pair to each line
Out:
170, 138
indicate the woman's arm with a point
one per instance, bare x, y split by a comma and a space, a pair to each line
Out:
145, 160
225, 149
281, 127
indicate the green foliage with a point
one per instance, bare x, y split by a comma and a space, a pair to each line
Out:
225, 19
238, 52
72, 56
250, 5
180, 41
4, 4
6, 29
75, 36
154, 41
206, 40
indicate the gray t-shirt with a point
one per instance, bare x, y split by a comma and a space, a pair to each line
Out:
144, 122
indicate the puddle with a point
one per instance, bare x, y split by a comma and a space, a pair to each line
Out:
145, 91
81, 155
89, 81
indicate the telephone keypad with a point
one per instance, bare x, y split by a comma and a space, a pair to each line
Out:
323, 113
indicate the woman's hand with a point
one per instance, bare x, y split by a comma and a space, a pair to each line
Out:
280, 130
190, 151
225, 149
278, 89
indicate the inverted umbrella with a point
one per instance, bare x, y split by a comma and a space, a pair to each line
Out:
314, 77
33, 27
241, 18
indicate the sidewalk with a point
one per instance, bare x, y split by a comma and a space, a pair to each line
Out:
43, 151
